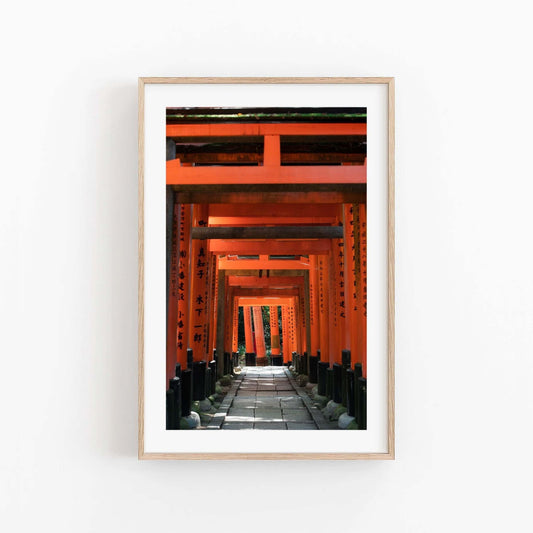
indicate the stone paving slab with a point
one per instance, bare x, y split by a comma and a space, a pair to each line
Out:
237, 425
301, 425
270, 425
267, 399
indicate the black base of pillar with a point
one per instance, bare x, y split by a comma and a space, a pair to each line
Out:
213, 376
361, 411
337, 383
344, 386
322, 377
350, 381
208, 390
186, 392
329, 383
276, 360
227, 364
250, 359
313, 369
173, 419
198, 380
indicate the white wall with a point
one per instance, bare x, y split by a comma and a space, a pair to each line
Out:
68, 267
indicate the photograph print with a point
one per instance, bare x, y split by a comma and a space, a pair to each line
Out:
266, 269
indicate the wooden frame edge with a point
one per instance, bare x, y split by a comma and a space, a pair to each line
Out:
266, 456
140, 281
391, 271
391, 454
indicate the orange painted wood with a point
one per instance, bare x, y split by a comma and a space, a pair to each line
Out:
363, 273
274, 330
212, 303
214, 158
263, 282
285, 333
314, 316
225, 263
214, 175
235, 331
355, 193
292, 328
228, 317
272, 151
183, 284
270, 246
334, 346
323, 306
270, 221
302, 322
350, 286
172, 314
259, 334
340, 287
274, 211
265, 300
262, 293
257, 130
248, 333
198, 310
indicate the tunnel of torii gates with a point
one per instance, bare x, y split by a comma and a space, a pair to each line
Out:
265, 214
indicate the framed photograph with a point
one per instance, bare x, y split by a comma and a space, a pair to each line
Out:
266, 268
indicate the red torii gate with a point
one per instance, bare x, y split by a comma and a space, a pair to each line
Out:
328, 309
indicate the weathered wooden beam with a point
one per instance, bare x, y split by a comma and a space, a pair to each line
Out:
261, 129
271, 247
257, 293
263, 282
276, 232
280, 194
265, 300
176, 174
220, 158
257, 264
271, 211
270, 221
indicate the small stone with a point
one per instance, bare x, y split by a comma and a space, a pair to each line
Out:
338, 412
190, 422
225, 381
205, 418
352, 425
330, 409
205, 405
345, 420
302, 380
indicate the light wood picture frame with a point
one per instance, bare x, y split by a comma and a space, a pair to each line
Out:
156, 96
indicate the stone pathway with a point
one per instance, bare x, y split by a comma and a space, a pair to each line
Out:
268, 398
